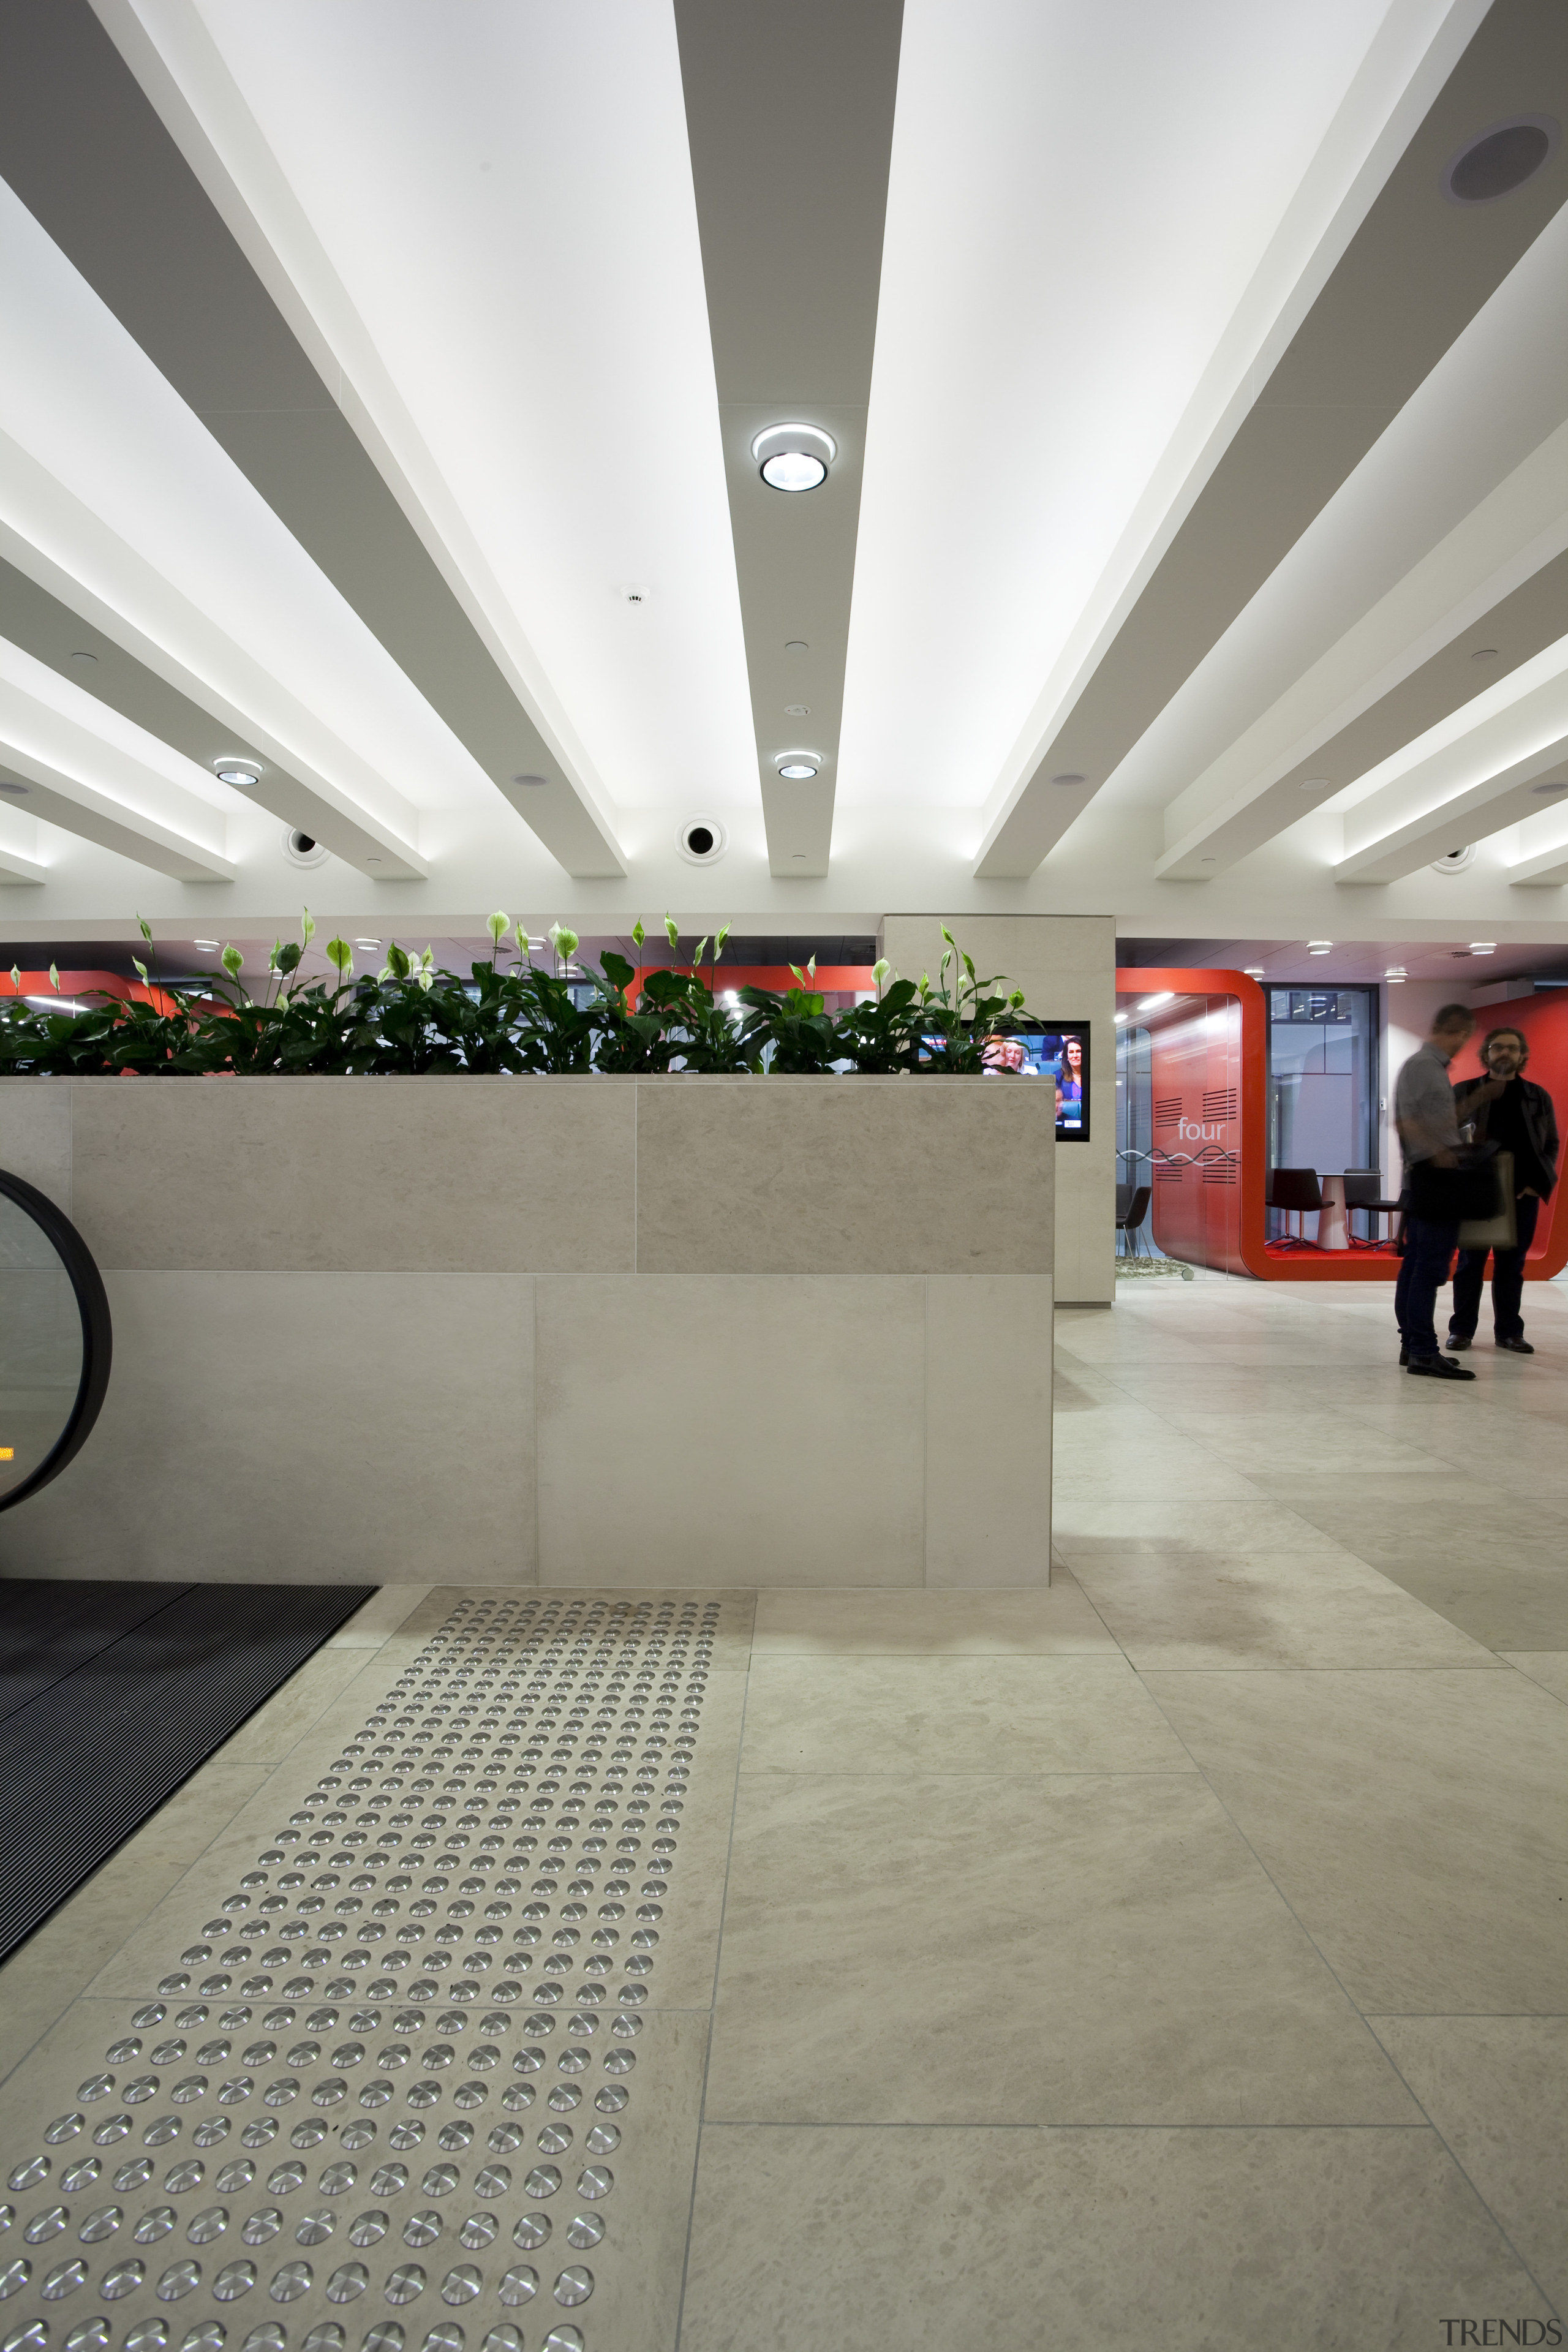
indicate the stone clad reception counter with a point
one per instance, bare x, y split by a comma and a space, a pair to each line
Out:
580, 1331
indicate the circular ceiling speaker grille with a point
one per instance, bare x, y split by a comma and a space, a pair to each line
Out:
1500, 159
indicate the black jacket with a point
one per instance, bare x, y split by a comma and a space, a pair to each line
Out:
1540, 1120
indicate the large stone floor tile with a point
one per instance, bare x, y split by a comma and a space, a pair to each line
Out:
1497, 2089
1399, 1511
1415, 1822
300, 1704
381, 1615
1056, 1621
1018, 1950
1510, 1595
1088, 1521
1194, 2241
1308, 1442
1259, 1608
880, 1715
1547, 1667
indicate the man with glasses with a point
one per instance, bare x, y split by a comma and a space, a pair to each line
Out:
1518, 1117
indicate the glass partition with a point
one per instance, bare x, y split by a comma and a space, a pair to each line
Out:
1322, 1082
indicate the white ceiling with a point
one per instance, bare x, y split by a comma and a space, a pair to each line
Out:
1104, 222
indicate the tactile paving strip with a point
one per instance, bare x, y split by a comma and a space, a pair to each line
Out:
395, 2093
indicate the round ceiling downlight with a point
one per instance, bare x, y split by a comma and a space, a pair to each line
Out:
241, 773
796, 769
1072, 778
1499, 160
794, 456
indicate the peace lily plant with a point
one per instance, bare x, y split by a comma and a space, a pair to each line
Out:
511, 1015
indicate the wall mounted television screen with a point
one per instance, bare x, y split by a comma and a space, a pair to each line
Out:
1060, 1055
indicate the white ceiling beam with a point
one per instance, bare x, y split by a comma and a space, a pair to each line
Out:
64, 796
173, 656
495, 695
1393, 283
18, 845
1460, 792
791, 262
1497, 585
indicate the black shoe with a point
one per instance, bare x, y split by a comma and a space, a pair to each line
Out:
1438, 1368
1458, 1339
1405, 1352
1517, 1347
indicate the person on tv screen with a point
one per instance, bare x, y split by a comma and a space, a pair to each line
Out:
1072, 1068
1008, 1054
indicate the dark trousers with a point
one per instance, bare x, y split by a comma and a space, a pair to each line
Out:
1423, 1270
1508, 1280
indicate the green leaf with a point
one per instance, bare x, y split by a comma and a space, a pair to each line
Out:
55, 979
719, 943
341, 955
638, 934
672, 933
497, 926
307, 927
233, 961
397, 961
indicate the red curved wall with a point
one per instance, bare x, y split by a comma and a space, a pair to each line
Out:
1209, 1067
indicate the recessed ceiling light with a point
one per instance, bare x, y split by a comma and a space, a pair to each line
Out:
531, 784
84, 656
242, 773
210, 945
9, 785
1070, 778
1484, 653
1315, 785
794, 456
1320, 947
1209, 861
1496, 161
797, 645
1395, 972
1252, 971
1557, 784
794, 767
1483, 947
367, 943
797, 711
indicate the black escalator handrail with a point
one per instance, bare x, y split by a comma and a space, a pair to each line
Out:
97, 1331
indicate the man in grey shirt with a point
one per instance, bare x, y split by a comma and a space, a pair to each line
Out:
1430, 1140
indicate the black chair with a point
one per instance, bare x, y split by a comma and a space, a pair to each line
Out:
1298, 1192
1131, 1213
1364, 1189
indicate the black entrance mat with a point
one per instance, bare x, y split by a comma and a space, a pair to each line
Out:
111, 1694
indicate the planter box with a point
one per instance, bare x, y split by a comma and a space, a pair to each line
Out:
579, 1331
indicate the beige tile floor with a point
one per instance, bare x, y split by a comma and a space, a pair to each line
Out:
1178, 1957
